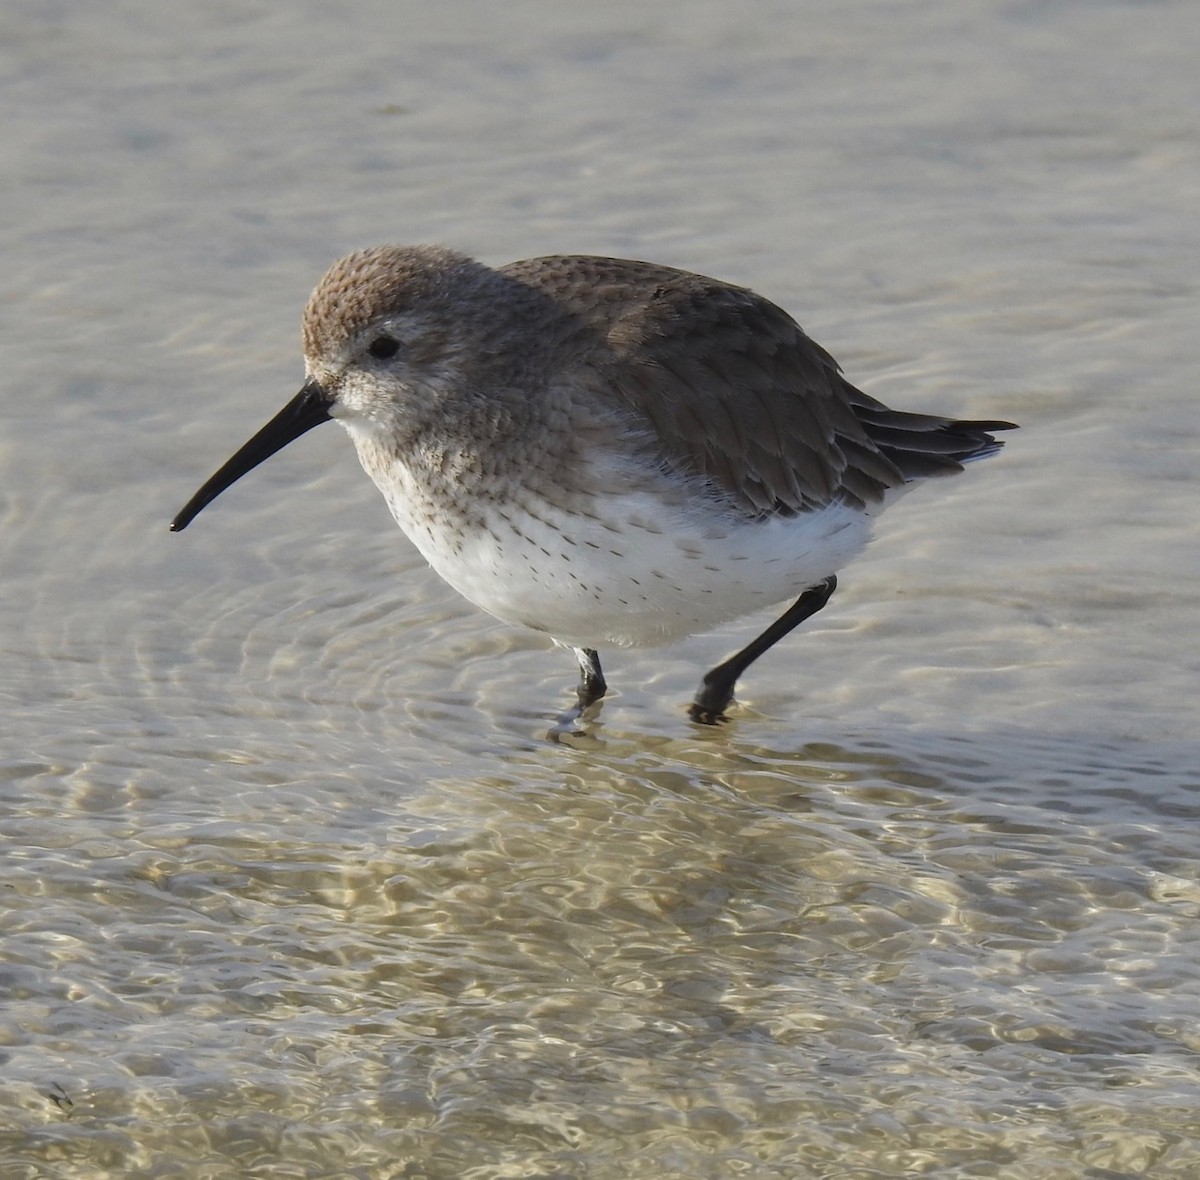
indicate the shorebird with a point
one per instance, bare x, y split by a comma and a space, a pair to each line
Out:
610, 452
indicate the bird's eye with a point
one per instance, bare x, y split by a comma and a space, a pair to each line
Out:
383, 347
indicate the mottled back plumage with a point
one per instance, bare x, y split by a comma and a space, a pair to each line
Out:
734, 389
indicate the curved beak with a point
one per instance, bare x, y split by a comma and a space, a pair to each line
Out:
309, 408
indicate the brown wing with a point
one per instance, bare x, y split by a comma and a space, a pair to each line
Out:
735, 390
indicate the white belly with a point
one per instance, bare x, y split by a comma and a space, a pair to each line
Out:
647, 563
631, 582
637, 586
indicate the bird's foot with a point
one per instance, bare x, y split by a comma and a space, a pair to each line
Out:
575, 722
710, 704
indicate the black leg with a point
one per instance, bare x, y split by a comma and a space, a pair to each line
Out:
592, 686
716, 689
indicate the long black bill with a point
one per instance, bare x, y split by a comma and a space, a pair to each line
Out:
309, 408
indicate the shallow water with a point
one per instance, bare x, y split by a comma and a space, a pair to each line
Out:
295, 886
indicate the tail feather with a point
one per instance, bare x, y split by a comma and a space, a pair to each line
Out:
923, 445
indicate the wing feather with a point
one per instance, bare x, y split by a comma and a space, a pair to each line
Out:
734, 390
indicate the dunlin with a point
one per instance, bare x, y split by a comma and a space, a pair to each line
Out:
606, 451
